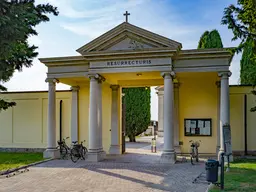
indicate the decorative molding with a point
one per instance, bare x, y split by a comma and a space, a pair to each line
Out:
74, 88
217, 83
51, 80
97, 77
135, 45
224, 74
176, 85
114, 87
170, 74
127, 28
93, 76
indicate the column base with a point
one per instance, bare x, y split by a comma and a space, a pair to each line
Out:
96, 156
160, 133
217, 150
168, 157
51, 153
231, 158
177, 149
115, 150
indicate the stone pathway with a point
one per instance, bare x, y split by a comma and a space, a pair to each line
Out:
138, 170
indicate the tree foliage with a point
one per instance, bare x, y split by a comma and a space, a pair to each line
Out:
210, 40
137, 104
18, 19
241, 19
248, 65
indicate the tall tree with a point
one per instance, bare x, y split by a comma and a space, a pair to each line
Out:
137, 104
210, 40
248, 65
241, 19
18, 19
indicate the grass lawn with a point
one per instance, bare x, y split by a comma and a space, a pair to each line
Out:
242, 177
14, 160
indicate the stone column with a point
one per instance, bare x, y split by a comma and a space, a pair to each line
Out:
51, 151
74, 113
160, 112
218, 117
224, 106
95, 152
115, 146
176, 118
168, 155
99, 108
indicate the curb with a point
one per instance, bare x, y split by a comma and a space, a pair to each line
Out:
5, 172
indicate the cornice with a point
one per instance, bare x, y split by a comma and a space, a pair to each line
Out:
204, 53
127, 27
64, 61
146, 52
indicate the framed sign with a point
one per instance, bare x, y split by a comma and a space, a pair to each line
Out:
227, 140
198, 127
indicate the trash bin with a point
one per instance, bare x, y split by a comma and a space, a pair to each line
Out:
211, 167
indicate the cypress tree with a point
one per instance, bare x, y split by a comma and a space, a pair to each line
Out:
137, 113
246, 64
210, 40
215, 40
203, 40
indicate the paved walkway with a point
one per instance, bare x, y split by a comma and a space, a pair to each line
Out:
138, 170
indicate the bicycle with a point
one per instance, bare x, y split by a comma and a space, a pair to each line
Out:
64, 149
194, 151
78, 151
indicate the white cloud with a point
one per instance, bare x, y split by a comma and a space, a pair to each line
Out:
92, 9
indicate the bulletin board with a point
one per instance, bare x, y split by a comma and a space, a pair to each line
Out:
198, 127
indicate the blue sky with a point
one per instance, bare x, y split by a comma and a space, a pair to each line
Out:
80, 21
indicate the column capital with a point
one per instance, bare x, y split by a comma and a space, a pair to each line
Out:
51, 80
224, 74
114, 87
217, 83
74, 88
160, 93
101, 79
168, 74
96, 76
176, 85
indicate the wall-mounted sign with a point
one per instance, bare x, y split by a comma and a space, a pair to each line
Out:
227, 140
131, 63
198, 127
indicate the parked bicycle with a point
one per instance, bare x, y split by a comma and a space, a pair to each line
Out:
64, 149
194, 151
78, 151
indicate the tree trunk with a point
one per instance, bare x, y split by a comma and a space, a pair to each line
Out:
132, 138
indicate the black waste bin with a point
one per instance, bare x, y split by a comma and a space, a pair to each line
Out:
211, 167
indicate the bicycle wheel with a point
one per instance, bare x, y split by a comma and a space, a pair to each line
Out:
75, 155
84, 152
63, 152
191, 159
197, 158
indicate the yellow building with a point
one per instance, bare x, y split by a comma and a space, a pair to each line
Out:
197, 99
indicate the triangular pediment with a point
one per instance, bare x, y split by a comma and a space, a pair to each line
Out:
126, 37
